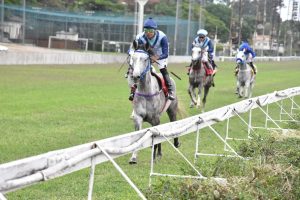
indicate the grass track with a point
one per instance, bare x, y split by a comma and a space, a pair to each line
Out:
45, 108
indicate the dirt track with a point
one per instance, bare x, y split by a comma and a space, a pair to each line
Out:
13, 47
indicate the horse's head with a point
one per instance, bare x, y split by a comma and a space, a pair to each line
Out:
140, 61
196, 53
240, 58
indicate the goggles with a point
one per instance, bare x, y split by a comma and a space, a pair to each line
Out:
202, 36
149, 30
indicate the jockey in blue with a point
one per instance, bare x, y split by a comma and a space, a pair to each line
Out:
159, 46
250, 55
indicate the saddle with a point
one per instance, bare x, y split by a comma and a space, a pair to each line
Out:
208, 70
161, 82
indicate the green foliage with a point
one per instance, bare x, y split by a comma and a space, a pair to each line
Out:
220, 11
278, 177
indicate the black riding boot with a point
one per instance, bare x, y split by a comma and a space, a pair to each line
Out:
213, 64
132, 92
167, 79
253, 67
189, 68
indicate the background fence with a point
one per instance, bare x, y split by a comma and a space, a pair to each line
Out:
34, 25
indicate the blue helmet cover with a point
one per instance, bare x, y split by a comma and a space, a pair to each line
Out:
150, 23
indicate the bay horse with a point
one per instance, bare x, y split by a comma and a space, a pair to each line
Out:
149, 99
198, 77
245, 76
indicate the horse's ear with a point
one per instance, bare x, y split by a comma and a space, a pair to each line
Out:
135, 44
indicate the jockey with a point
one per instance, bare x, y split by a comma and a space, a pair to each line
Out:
159, 46
250, 55
205, 43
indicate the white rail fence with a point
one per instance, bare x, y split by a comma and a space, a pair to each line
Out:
25, 172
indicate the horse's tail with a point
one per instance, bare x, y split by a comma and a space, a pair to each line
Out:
181, 111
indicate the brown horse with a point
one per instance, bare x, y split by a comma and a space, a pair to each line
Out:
198, 78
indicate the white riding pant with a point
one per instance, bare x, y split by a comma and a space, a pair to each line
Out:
162, 63
249, 58
205, 56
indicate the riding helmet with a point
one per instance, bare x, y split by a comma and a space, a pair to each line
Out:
202, 32
150, 23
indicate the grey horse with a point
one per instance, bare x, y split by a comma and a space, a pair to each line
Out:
245, 77
149, 99
198, 78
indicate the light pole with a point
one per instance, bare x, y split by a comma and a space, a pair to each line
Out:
176, 27
2, 20
24, 21
141, 14
188, 28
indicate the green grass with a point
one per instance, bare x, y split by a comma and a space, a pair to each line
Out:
50, 107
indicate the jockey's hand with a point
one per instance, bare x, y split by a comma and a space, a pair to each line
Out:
154, 58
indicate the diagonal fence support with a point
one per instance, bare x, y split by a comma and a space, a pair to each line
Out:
284, 112
122, 173
294, 105
152, 173
2, 197
223, 140
268, 118
92, 178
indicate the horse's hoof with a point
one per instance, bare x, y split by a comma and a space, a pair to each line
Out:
133, 161
177, 145
159, 156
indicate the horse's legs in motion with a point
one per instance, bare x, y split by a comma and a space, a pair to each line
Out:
206, 90
192, 94
199, 95
138, 126
172, 113
156, 146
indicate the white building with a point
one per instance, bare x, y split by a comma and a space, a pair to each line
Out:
296, 10
291, 10
224, 2
262, 42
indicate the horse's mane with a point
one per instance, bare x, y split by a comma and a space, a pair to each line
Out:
145, 47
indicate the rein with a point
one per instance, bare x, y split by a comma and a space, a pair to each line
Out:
142, 76
148, 66
147, 96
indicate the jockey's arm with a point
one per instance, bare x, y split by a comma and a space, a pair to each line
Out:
164, 48
210, 49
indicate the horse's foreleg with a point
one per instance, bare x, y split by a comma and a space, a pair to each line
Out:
247, 89
172, 113
138, 126
159, 154
199, 96
192, 95
206, 90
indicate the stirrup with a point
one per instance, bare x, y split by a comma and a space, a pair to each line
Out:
170, 96
131, 97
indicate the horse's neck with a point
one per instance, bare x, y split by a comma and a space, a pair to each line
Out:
146, 86
244, 66
197, 64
